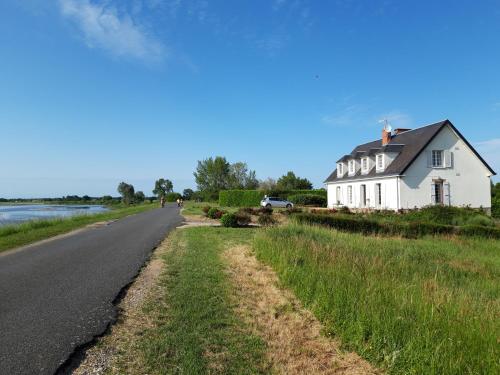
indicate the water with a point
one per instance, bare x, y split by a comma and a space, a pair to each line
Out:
18, 214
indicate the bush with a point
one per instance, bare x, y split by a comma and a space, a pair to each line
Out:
410, 230
205, 209
291, 211
240, 198
308, 200
330, 211
479, 231
215, 213
495, 207
249, 210
243, 218
229, 220
266, 220
172, 197
264, 211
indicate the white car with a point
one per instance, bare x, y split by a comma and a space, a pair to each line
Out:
271, 202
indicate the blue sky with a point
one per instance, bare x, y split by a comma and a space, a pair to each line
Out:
93, 92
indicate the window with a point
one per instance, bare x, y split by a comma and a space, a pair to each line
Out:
378, 195
437, 192
351, 166
338, 194
340, 169
437, 158
349, 194
380, 162
364, 164
362, 193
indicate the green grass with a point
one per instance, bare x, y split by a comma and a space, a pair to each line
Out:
426, 306
12, 236
195, 328
196, 208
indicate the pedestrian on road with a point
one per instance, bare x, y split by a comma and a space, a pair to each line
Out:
162, 202
178, 202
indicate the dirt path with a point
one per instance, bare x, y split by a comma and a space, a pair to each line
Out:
291, 332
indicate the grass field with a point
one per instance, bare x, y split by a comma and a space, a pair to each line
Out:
12, 236
193, 328
427, 306
195, 208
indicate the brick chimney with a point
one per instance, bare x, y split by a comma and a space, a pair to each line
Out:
386, 136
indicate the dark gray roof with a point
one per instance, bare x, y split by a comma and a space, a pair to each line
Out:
409, 144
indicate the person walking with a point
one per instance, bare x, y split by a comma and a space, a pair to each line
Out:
162, 202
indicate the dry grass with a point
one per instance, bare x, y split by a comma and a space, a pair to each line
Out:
292, 334
131, 325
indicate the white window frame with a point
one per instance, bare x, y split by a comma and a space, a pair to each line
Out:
379, 162
378, 194
338, 195
340, 169
362, 195
352, 167
365, 160
349, 194
434, 159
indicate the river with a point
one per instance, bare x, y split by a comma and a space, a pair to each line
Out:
15, 214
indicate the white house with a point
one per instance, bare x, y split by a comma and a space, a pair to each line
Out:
407, 168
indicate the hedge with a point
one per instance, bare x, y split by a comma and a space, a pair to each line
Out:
240, 198
252, 198
172, 197
308, 200
410, 230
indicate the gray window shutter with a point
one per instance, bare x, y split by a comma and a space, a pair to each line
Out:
429, 159
433, 193
447, 159
446, 194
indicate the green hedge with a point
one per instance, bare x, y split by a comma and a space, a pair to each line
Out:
410, 230
252, 198
240, 198
172, 197
308, 200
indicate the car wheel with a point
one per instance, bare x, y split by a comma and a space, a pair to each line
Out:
288, 206
268, 205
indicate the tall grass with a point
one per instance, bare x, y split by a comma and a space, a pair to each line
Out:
194, 328
12, 236
427, 306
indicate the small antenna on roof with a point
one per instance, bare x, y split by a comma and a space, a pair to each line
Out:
387, 126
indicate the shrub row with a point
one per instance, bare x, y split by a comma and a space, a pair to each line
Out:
308, 200
251, 198
410, 230
240, 198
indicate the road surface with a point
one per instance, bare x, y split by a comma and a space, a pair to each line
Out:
58, 295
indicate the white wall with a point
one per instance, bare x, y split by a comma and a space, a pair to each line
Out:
389, 193
468, 178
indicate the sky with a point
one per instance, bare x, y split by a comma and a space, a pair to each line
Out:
94, 92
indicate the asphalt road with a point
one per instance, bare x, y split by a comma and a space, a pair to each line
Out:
58, 295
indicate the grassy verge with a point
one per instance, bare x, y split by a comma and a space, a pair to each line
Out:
195, 208
12, 236
427, 306
194, 329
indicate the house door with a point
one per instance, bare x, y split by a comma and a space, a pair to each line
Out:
440, 192
362, 192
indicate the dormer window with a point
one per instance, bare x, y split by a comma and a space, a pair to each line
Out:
364, 165
340, 169
351, 166
380, 162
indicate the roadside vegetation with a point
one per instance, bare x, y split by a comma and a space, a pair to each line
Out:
193, 327
411, 306
12, 236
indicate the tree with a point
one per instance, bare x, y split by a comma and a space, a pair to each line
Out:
267, 184
292, 182
212, 175
188, 194
241, 178
127, 192
139, 197
162, 187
